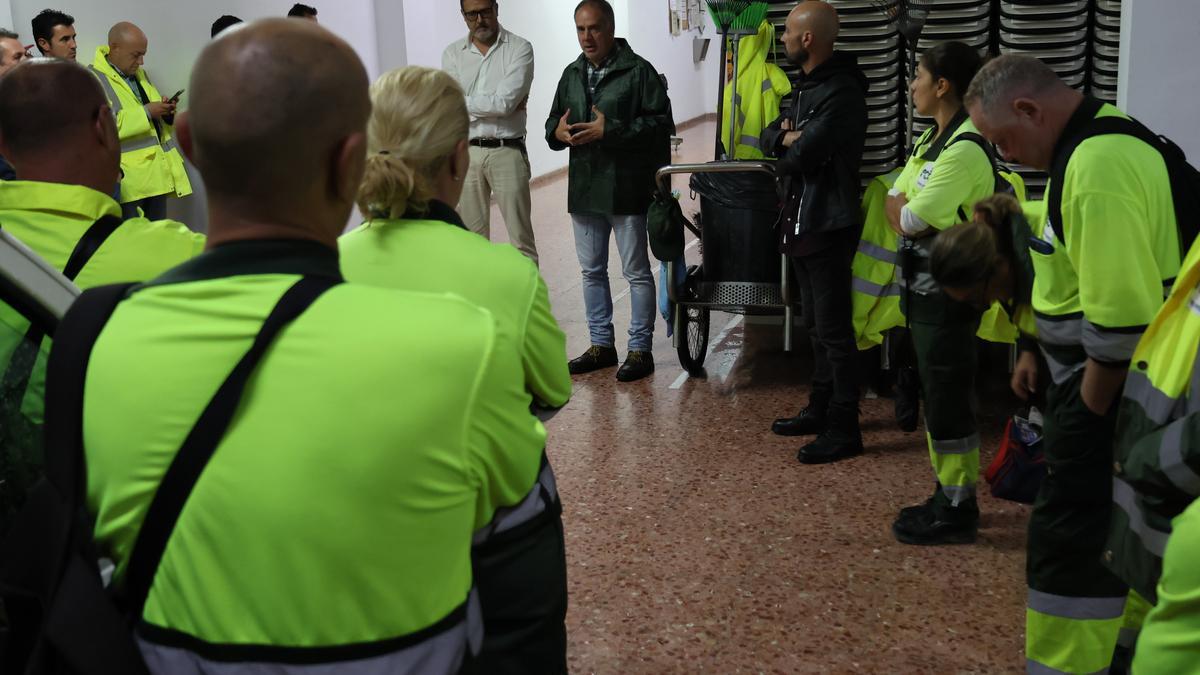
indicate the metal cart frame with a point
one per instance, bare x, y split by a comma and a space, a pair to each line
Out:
694, 306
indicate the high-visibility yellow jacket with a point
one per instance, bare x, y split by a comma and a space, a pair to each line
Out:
1157, 449
761, 86
875, 295
150, 158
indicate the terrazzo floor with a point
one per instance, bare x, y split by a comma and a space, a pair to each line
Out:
697, 543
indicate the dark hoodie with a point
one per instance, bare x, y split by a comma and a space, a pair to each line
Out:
819, 172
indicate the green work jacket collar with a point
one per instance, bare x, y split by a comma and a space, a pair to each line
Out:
73, 200
622, 58
244, 258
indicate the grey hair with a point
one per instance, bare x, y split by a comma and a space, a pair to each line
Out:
6, 33
1006, 77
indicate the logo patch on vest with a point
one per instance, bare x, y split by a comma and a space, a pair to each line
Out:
923, 177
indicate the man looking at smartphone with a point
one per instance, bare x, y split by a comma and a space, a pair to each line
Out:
611, 109
150, 161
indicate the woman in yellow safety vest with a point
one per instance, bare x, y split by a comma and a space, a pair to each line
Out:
950, 169
414, 240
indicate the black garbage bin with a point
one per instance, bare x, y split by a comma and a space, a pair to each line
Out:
738, 212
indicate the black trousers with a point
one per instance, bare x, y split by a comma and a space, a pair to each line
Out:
824, 278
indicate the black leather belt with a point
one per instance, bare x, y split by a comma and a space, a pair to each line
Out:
518, 143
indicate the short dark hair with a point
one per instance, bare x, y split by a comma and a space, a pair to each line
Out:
605, 9
6, 33
303, 11
29, 119
955, 61
44, 23
224, 22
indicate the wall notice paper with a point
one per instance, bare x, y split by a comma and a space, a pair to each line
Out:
685, 15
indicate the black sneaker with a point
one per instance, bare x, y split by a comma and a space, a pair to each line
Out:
941, 525
921, 510
595, 358
840, 440
637, 365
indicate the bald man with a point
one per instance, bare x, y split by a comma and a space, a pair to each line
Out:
819, 143
56, 128
331, 528
150, 161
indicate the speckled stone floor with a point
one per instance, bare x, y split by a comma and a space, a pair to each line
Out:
698, 544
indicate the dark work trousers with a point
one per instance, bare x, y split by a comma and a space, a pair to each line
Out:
1075, 602
154, 208
824, 279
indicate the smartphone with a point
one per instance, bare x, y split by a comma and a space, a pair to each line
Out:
175, 98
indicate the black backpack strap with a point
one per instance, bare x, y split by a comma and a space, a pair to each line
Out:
201, 443
983, 143
65, 371
15, 380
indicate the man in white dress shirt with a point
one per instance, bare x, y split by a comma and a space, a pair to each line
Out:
495, 69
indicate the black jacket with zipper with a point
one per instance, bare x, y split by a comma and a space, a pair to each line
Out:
819, 173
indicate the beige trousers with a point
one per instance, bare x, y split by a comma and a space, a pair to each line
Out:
504, 174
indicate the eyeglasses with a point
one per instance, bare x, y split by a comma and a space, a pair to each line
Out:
474, 17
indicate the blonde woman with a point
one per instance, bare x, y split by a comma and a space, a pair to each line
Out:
413, 240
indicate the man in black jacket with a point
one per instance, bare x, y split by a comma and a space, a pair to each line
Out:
819, 143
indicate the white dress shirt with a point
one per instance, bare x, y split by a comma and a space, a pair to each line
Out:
496, 83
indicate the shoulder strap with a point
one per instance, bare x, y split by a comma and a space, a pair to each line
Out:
201, 443
89, 243
65, 371
15, 381
982, 142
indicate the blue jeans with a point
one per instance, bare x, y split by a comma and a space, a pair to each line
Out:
591, 245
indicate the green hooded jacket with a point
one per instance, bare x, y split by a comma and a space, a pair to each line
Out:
615, 175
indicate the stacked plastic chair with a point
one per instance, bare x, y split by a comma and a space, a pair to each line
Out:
872, 36
967, 21
1106, 39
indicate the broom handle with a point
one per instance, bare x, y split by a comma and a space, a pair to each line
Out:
731, 149
721, 97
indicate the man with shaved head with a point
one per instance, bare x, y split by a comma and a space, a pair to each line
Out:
819, 143
331, 526
1108, 248
150, 160
57, 130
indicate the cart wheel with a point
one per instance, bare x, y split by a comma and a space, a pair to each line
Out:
693, 339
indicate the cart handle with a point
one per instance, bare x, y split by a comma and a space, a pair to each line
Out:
712, 167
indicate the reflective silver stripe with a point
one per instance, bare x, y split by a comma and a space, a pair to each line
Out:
748, 140
170, 145
1060, 372
531, 507
1036, 668
1156, 405
1076, 609
1107, 345
878, 252
860, 285
441, 654
1125, 497
114, 101
1061, 331
133, 146
956, 446
958, 494
767, 86
1171, 460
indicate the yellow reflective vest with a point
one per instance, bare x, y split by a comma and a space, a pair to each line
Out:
760, 88
151, 162
875, 295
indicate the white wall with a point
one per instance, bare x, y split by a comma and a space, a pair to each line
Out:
1159, 81
549, 25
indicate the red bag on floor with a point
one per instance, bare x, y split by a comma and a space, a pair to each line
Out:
1017, 471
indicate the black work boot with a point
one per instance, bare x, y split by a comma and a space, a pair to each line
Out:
840, 440
595, 358
922, 510
810, 421
637, 365
943, 524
